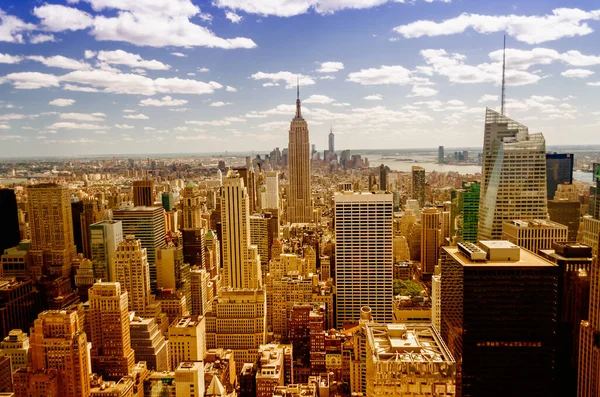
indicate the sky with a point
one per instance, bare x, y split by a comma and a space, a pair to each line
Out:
88, 77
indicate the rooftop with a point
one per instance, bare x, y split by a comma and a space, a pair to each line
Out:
535, 223
524, 258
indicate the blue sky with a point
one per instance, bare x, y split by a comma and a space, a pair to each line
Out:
157, 76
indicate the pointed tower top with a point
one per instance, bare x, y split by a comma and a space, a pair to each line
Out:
298, 110
297, 88
503, 78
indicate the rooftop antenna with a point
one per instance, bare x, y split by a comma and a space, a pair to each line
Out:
298, 111
503, 78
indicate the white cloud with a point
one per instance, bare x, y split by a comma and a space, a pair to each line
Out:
66, 125
41, 38
577, 73
454, 68
61, 102
318, 99
216, 123
230, 89
179, 109
386, 75
203, 70
11, 28
220, 104
73, 87
58, 18
233, 17
4, 127
124, 126
83, 116
289, 78
120, 57
30, 80
326, 77
330, 67
12, 116
341, 104
191, 74
59, 61
12, 59
270, 85
164, 101
594, 84
563, 22
422, 92
488, 98
179, 54
374, 97
139, 116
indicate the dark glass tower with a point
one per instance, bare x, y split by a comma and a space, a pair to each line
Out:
559, 169
9, 219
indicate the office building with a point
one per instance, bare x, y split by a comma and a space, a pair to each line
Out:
590, 233
32, 383
172, 272
168, 201
499, 318
430, 241
194, 246
464, 212
395, 357
513, 175
148, 225
143, 193
383, 179
331, 142
112, 355
149, 344
19, 304
124, 387
189, 379
90, 215
364, 239
51, 229
418, 185
566, 213
133, 273
187, 340
575, 268
534, 234
9, 219
270, 369
59, 343
299, 198
191, 207
260, 236
440, 155
201, 291
105, 237
16, 346
272, 191
559, 169
411, 309
241, 264
15, 260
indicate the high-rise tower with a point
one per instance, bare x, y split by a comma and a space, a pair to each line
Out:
418, 185
299, 205
9, 219
331, 142
132, 271
513, 175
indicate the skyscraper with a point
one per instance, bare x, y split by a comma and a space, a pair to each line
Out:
51, 228
363, 254
430, 240
241, 265
418, 185
105, 237
133, 273
513, 173
441, 155
58, 342
148, 225
383, 179
112, 356
499, 318
272, 196
143, 193
299, 200
559, 169
9, 219
331, 142
464, 212
191, 205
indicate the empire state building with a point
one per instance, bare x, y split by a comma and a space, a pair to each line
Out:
300, 206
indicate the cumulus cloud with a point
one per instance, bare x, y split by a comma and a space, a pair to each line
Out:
124, 126
66, 125
488, 98
59, 61
577, 73
220, 104
179, 54
61, 102
203, 70
318, 99
233, 17
330, 67
290, 79
230, 89
41, 38
120, 57
374, 97
422, 92
12, 28
12, 59
82, 116
159, 23
139, 116
164, 101
533, 29
30, 80
386, 75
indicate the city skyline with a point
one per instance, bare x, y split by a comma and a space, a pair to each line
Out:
80, 84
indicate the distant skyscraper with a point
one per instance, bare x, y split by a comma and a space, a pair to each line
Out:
58, 342
9, 219
441, 155
112, 356
143, 193
514, 175
241, 266
299, 199
430, 240
148, 225
418, 185
331, 142
559, 169
383, 179
133, 273
363, 254
51, 228
464, 212
498, 302
272, 196
191, 207
105, 237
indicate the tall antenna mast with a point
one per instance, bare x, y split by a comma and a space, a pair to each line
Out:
503, 78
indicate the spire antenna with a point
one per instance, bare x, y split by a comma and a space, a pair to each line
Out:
297, 88
298, 110
503, 78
